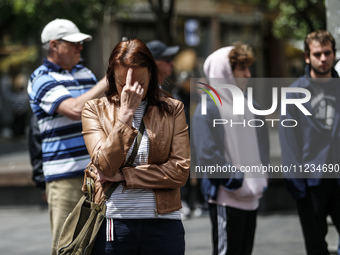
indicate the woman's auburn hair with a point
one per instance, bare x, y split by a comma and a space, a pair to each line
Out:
134, 53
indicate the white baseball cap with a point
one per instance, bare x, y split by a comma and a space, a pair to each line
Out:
63, 29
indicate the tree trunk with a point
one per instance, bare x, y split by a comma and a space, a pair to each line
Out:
163, 22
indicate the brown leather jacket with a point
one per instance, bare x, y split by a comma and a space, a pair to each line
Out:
108, 140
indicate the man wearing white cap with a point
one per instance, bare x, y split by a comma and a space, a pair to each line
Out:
58, 90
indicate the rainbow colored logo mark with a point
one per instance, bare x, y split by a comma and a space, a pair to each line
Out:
212, 89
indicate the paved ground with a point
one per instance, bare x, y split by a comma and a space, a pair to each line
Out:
277, 234
25, 231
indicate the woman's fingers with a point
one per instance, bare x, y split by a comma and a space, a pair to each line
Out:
134, 91
129, 77
139, 90
131, 96
131, 88
135, 86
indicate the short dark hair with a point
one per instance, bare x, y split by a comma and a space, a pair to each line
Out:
320, 36
241, 54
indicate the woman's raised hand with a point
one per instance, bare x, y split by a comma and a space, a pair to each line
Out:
130, 98
132, 94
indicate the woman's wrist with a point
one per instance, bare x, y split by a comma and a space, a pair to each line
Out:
126, 116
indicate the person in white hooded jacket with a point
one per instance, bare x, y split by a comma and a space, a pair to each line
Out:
233, 199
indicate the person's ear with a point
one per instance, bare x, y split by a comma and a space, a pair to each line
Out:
53, 44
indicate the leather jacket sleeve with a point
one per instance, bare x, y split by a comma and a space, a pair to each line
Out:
174, 172
107, 151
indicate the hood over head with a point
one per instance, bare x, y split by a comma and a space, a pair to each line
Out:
217, 65
217, 70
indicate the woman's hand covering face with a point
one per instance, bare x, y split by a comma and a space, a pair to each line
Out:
131, 94
132, 86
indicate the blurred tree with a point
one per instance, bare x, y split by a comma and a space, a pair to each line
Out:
23, 20
296, 18
163, 9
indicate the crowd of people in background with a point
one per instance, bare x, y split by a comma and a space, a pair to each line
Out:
132, 92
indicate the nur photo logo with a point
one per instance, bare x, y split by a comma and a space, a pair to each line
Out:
208, 92
239, 103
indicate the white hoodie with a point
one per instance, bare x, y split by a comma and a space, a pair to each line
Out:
241, 144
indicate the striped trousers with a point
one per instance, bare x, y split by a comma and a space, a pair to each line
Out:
233, 230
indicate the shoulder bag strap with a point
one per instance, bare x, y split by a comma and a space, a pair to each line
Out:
112, 188
131, 159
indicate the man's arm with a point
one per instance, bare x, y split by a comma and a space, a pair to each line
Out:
72, 107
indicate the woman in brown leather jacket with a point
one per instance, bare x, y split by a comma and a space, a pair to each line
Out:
142, 214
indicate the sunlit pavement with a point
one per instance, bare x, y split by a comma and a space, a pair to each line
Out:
25, 231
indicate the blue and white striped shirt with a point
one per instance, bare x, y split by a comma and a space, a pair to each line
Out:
63, 147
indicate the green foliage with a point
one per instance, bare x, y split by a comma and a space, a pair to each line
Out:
297, 18
23, 20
